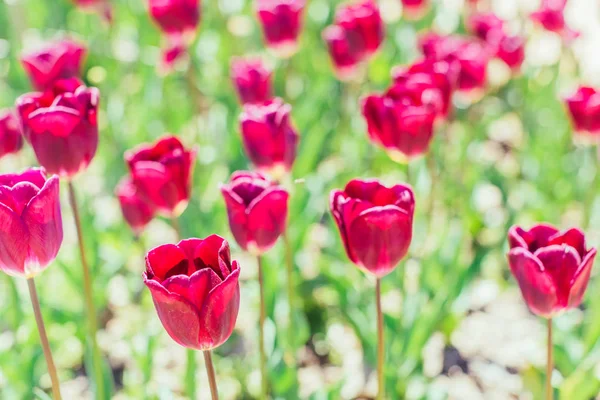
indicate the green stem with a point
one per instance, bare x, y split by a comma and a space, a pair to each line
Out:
210, 371
380, 343
261, 330
289, 258
190, 374
88, 297
549, 363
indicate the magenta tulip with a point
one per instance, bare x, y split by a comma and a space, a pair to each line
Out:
11, 138
136, 210
281, 22
252, 80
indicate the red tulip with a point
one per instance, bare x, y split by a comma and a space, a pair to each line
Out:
61, 125
176, 18
414, 9
481, 24
257, 209
30, 222
195, 289
584, 110
136, 210
403, 127
550, 15
11, 139
375, 223
252, 80
162, 172
56, 61
511, 50
100, 6
269, 136
552, 268
356, 34
470, 56
281, 21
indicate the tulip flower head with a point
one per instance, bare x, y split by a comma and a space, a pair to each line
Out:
11, 139
375, 223
269, 136
30, 222
195, 289
481, 24
136, 210
552, 267
257, 209
584, 110
176, 18
551, 17
281, 22
162, 172
252, 80
59, 60
61, 125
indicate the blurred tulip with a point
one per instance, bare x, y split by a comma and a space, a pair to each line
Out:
511, 50
269, 136
176, 18
61, 125
414, 9
257, 209
356, 34
171, 56
59, 60
102, 7
11, 138
30, 222
252, 80
552, 268
281, 21
136, 210
375, 223
551, 17
481, 24
162, 172
195, 289
584, 110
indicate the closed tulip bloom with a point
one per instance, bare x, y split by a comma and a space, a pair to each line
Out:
552, 267
414, 9
375, 223
344, 56
58, 60
30, 222
257, 209
136, 210
11, 139
178, 18
269, 136
252, 80
281, 21
584, 110
162, 172
195, 289
61, 125
551, 17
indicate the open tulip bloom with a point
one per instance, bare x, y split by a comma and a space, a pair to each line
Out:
553, 269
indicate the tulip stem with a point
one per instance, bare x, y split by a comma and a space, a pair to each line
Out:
549, 363
176, 227
289, 258
89, 301
210, 371
261, 330
44, 339
380, 351
190, 374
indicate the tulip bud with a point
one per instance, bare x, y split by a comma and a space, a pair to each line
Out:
30, 222
137, 211
162, 172
584, 110
195, 289
176, 18
257, 209
252, 80
59, 60
11, 139
552, 268
281, 21
61, 125
269, 136
375, 223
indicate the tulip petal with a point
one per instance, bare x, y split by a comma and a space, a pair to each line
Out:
33, 175
13, 242
58, 120
236, 214
194, 288
165, 261
572, 237
581, 279
267, 216
561, 262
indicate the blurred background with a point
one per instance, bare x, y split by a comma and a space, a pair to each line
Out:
456, 327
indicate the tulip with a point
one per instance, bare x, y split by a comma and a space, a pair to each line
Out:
481, 24
257, 209
59, 60
344, 56
511, 50
252, 80
584, 110
31, 225
11, 139
375, 223
414, 9
136, 211
552, 267
162, 172
176, 18
281, 21
61, 126
269, 136
551, 17
171, 56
